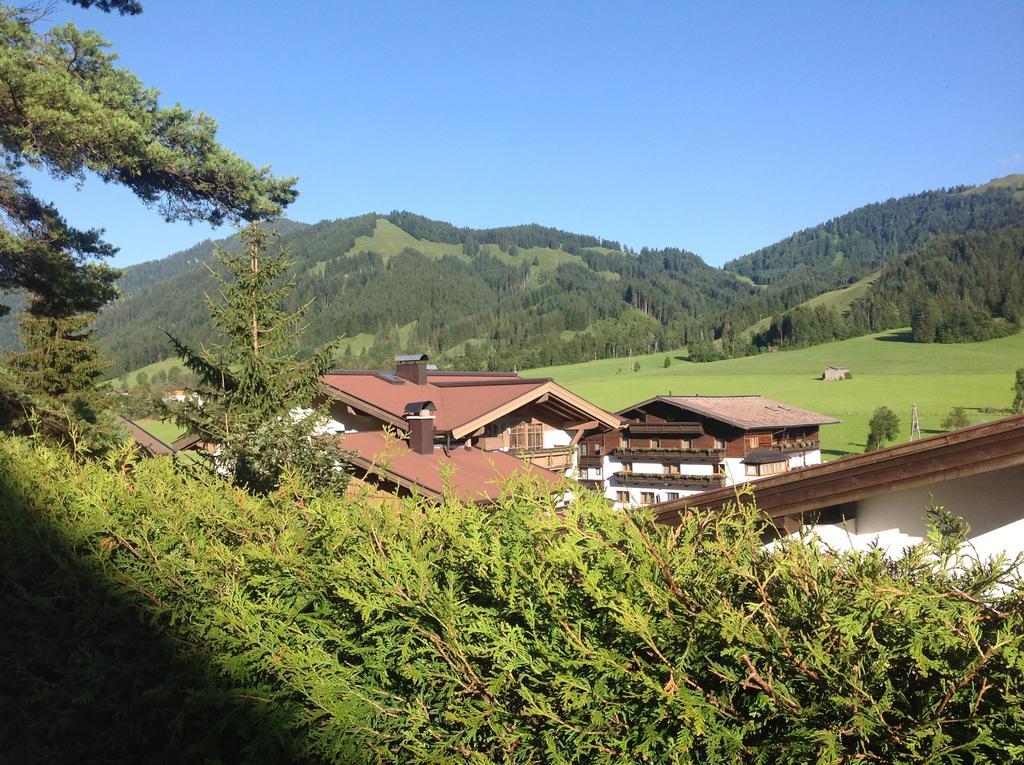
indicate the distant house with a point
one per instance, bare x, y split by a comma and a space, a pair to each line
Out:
676, 446
881, 497
835, 373
146, 440
423, 431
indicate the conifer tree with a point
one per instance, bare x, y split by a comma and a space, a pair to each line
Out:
50, 386
251, 385
60, 358
67, 110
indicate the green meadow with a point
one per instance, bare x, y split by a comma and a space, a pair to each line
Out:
887, 369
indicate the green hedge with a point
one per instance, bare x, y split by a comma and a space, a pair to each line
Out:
344, 631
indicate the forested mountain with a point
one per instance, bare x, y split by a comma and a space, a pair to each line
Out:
529, 295
951, 289
503, 297
848, 248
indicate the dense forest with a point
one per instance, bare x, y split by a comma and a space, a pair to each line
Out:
523, 296
951, 289
506, 297
848, 248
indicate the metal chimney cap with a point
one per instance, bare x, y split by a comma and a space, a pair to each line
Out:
411, 358
418, 407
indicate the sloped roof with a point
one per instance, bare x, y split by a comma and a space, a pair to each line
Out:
473, 474
464, 401
145, 439
958, 454
763, 457
748, 412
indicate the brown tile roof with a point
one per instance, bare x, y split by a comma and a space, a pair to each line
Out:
961, 453
474, 474
749, 412
462, 400
145, 439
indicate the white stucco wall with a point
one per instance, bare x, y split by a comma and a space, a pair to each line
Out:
992, 504
554, 438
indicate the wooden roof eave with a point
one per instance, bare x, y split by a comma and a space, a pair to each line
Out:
364, 406
369, 466
552, 390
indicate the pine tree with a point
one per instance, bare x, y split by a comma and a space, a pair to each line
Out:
49, 388
250, 386
60, 358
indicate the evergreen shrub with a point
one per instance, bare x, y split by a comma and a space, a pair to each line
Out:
356, 631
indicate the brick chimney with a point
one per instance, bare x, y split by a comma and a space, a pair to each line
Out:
420, 416
412, 368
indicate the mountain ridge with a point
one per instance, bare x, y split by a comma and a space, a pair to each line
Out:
531, 295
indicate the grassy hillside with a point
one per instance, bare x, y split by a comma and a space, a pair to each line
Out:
130, 380
1015, 183
887, 369
840, 300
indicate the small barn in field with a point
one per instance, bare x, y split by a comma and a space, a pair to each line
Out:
835, 373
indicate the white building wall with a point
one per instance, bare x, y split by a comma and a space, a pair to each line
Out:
735, 471
555, 438
992, 504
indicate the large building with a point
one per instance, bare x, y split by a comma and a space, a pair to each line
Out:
677, 446
423, 431
882, 498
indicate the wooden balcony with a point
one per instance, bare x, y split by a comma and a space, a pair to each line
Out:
591, 460
556, 458
796, 446
681, 455
669, 480
691, 428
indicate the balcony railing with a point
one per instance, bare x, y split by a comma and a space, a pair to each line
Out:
591, 460
796, 445
669, 480
555, 458
682, 455
694, 428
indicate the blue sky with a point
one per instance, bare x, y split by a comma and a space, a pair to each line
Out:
715, 127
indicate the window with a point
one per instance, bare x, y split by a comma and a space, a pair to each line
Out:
759, 440
769, 468
526, 435
584, 450
670, 495
622, 496
673, 469
655, 443
647, 498
719, 443
625, 443
627, 467
493, 429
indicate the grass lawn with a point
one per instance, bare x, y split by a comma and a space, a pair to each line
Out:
151, 370
165, 430
887, 369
